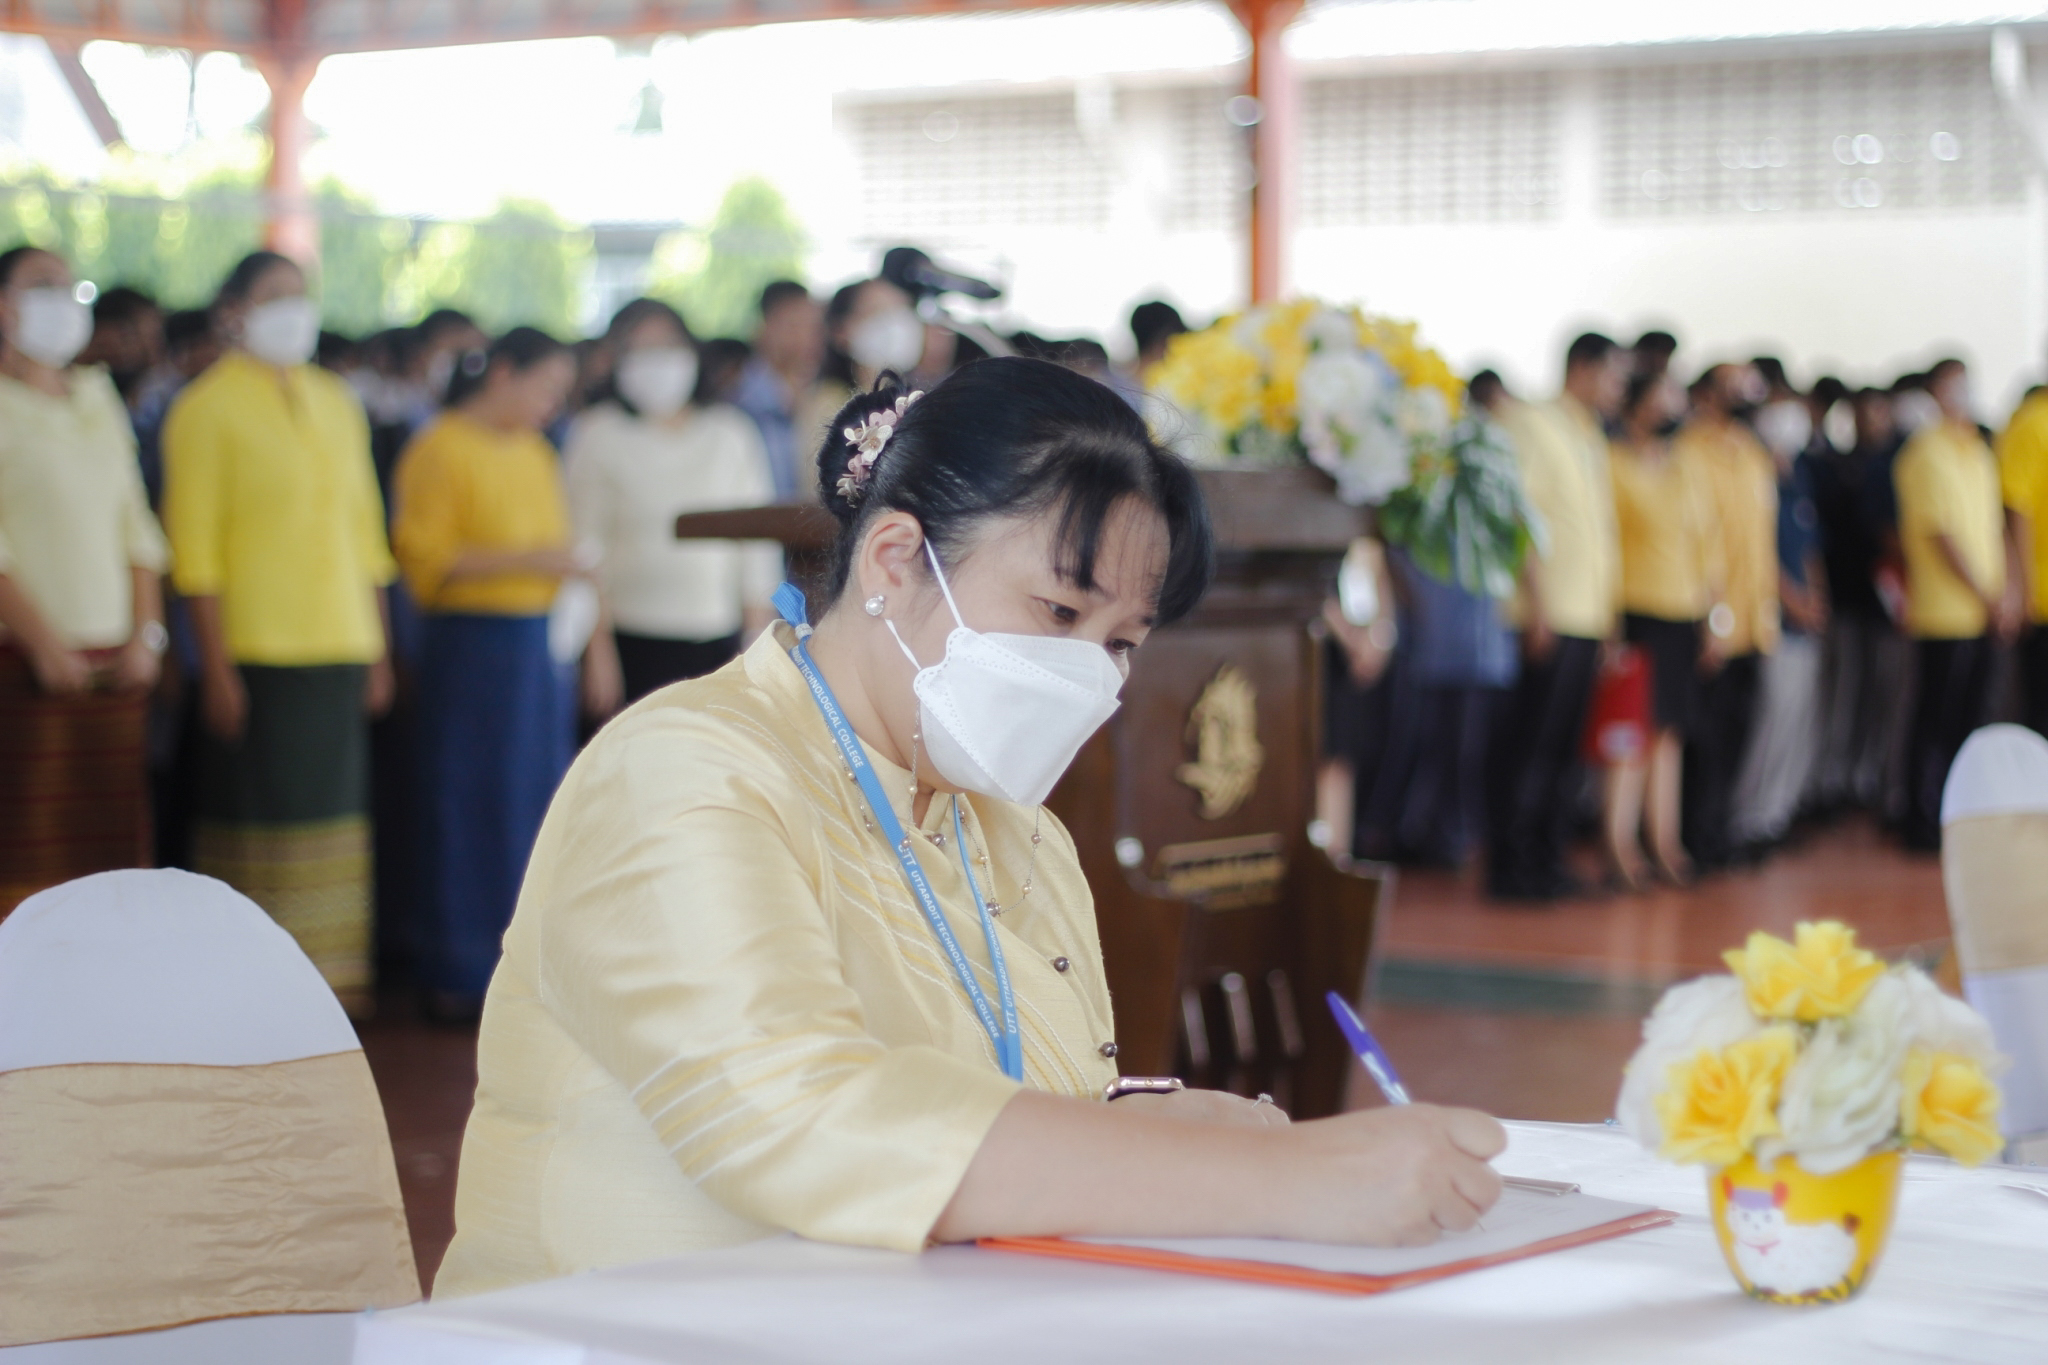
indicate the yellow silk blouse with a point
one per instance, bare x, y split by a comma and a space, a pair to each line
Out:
720, 1013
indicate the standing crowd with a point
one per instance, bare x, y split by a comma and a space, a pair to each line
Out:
1747, 606
328, 618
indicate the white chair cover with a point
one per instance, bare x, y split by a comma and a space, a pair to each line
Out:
161, 966
1994, 813
188, 1127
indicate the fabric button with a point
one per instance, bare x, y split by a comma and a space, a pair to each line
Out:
1060, 964
1107, 1049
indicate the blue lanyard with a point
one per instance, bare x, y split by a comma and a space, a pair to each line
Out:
1008, 1041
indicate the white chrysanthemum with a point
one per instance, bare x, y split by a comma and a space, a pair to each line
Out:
1708, 1013
1840, 1099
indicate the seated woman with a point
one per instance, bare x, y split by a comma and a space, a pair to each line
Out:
738, 999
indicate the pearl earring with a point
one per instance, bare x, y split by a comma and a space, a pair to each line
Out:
873, 606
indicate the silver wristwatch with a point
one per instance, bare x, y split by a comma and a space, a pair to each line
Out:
1141, 1085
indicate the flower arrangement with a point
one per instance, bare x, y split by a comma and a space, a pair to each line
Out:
1814, 1050
1360, 398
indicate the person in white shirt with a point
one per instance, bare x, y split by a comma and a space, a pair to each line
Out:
641, 456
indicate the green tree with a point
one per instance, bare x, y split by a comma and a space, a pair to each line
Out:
753, 239
361, 258
520, 266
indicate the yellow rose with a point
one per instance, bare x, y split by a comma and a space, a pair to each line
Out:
1947, 1102
1715, 1107
1821, 975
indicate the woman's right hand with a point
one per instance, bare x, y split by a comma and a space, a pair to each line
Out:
1395, 1176
224, 703
59, 671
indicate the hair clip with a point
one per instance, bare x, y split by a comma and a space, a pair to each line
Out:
868, 440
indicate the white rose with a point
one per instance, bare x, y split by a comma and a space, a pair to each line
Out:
1939, 1022
1709, 1013
1377, 464
1337, 385
1424, 412
1331, 330
1841, 1097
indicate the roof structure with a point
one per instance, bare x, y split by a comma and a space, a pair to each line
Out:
301, 29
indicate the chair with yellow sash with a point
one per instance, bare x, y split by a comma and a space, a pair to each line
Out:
189, 1134
1994, 866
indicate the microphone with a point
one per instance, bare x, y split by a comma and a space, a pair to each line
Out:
914, 273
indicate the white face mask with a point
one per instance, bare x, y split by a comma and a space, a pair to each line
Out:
1005, 714
282, 332
893, 340
657, 380
50, 326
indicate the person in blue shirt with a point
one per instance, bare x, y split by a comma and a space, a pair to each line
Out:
776, 382
1785, 741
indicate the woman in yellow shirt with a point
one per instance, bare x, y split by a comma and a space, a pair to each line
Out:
799, 949
1667, 575
278, 548
81, 605
482, 533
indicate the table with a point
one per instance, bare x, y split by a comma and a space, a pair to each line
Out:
1965, 1279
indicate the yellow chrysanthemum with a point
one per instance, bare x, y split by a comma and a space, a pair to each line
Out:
1209, 373
1947, 1102
1714, 1107
1277, 405
1822, 974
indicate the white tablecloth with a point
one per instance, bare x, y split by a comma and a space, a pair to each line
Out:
1965, 1279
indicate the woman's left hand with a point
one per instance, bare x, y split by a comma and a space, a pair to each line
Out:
380, 686
1205, 1106
137, 667
604, 682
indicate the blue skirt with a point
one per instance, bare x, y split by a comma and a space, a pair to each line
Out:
497, 727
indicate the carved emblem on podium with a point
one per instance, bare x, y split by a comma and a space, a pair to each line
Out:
1224, 728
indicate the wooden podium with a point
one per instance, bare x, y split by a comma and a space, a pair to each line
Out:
1222, 923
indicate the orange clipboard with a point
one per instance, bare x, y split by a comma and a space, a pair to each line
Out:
1300, 1277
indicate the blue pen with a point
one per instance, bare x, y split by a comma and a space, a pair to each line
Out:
1368, 1049
1382, 1072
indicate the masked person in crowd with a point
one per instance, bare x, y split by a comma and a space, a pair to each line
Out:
81, 607
1670, 581
278, 547
646, 453
481, 529
2023, 475
1952, 529
870, 328
799, 948
1784, 741
789, 346
127, 338
1565, 610
1743, 484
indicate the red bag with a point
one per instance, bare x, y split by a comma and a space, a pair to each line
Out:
1618, 722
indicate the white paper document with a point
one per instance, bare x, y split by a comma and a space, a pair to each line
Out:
1522, 1218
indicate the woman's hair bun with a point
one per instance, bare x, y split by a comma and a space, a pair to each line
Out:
836, 453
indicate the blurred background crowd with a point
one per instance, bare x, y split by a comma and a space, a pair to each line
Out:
327, 616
